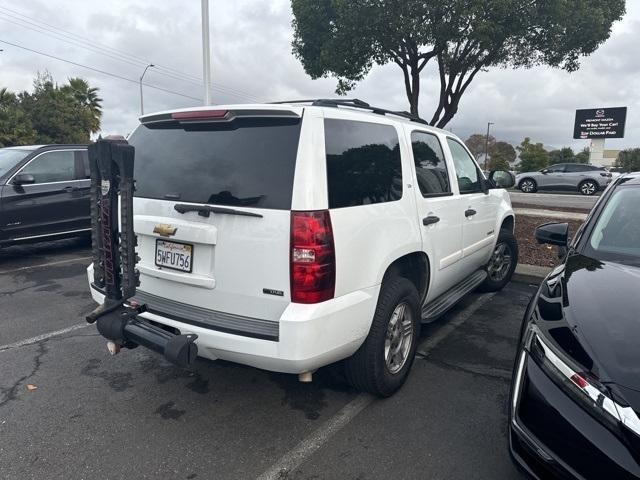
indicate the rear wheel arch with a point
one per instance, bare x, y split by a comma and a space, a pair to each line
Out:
415, 267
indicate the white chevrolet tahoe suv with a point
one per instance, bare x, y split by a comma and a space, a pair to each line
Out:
296, 235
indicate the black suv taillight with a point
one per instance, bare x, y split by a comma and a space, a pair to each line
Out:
313, 260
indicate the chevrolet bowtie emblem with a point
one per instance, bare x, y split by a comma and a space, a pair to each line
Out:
165, 230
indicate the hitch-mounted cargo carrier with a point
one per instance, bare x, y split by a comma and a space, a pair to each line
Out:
113, 243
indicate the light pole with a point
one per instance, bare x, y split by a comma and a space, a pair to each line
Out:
486, 146
206, 53
141, 77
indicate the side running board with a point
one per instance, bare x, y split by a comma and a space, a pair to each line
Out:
444, 302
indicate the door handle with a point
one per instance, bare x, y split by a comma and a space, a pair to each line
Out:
430, 220
70, 189
470, 212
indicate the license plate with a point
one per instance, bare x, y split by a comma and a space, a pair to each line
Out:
174, 255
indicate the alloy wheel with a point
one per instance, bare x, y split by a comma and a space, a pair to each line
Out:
398, 339
588, 188
500, 262
527, 186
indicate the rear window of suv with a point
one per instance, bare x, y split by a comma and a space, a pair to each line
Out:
363, 163
249, 162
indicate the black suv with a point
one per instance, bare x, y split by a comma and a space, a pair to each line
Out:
44, 193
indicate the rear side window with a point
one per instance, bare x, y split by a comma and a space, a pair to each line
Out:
248, 162
575, 168
82, 157
431, 168
363, 163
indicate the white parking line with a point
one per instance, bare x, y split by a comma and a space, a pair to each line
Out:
307, 447
75, 259
44, 336
313, 442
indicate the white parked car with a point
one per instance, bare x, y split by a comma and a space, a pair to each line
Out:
292, 236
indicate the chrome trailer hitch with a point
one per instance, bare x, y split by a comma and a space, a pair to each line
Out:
113, 243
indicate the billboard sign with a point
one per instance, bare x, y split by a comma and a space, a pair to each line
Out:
600, 123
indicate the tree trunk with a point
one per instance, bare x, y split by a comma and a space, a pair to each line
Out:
411, 74
415, 90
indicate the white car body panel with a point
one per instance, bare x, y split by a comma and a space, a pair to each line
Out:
236, 257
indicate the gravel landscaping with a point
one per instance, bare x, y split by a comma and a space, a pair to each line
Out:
530, 252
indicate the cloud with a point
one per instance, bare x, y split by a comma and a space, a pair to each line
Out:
252, 60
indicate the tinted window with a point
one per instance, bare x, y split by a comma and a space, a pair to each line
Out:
363, 163
466, 170
556, 168
248, 163
56, 166
431, 167
576, 167
10, 157
83, 155
616, 235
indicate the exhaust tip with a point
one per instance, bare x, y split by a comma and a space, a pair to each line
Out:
305, 377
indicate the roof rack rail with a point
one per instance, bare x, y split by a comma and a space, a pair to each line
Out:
355, 103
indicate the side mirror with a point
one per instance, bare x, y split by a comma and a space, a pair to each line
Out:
23, 179
553, 234
544, 171
502, 178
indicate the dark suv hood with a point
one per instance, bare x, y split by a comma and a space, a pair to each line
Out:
593, 314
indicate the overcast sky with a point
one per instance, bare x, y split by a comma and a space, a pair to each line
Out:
252, 60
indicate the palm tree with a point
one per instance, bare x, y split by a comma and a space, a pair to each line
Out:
86, 97
6, 96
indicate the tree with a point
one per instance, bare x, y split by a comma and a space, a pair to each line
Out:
476, 144
346, 38
629, 160
583, 156
64, 114
501, 155
564, 155
86, 97
15, 126
533, 156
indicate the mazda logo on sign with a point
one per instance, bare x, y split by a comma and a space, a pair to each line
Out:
599, 113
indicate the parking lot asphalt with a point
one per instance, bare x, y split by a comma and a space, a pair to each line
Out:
69, 410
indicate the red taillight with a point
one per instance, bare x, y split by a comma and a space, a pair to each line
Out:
200, 115
313, 259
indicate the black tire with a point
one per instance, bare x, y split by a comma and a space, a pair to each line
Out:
496, 283
367, 369
526, 182
588, 187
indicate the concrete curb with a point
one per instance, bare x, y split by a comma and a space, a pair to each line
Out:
540, 212
530, 273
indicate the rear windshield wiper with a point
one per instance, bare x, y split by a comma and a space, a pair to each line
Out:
206, 210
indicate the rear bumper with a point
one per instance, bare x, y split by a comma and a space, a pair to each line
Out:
551, 436
309, 336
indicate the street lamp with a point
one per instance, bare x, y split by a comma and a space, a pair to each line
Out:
486, 146
206, 53
141, 77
